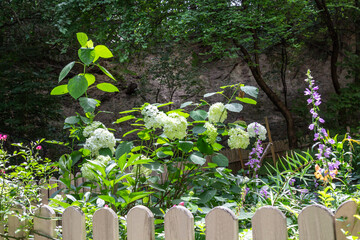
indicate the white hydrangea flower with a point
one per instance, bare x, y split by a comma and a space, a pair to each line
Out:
257, 129
86, 169
211, 133
238, 138
153, 118
175, 126
217, 113
89, 130
140, 167
101, 138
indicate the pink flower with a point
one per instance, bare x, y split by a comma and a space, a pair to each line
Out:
106, 205
38, 147
3, 137
182, 204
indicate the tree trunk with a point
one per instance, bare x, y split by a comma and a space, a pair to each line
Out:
255, 70
357, 40
321, 5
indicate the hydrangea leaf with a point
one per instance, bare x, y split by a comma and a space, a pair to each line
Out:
88, 104
198, 115
234, 107
204, 147
207, 196
250, 90
197, 158
77, 86
107, 87
220, 160
247, 100
82, 38
86, 55
65, 71
122, 148
59, 90
185, 146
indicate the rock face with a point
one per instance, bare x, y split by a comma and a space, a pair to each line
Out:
140, 84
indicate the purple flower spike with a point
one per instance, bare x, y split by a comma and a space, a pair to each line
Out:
311, 126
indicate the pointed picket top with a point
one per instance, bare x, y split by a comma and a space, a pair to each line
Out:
73, 224
140, 224
15, 223
44, 223
179, 224
105, 225
221, 224
316, 223
269, 223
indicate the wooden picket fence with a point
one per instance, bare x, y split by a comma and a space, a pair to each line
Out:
315, 223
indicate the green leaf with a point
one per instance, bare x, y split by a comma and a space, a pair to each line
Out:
198, 115
90, 78
131, 131
72, 120
75, 157
77, 86
138, 195
197, 158
234, 107
207, 196
105, 152
122, 148
82, 38
250, 90
198, 129
107, 73
126, 118
60, 90
220, 160
86, 55
64, 72
129, 111
103, 52
107, 87
185, 146
108, 199
88, 104
204, 147
144, 135
209, 94
185, 104
247, 100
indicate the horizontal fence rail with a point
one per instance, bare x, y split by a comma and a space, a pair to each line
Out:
268, 223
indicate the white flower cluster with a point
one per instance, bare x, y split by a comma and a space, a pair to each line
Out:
100, 138
217, 113
257, 129
87, 168
211, 133
153, 118
89, 130
175, 126
238, 138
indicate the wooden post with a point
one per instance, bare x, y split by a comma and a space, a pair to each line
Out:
43, 224
179, 224
53, 184
143, 231
73, 224
270, 140
241, 160
316, 223
221, 224
269, 223
105, 225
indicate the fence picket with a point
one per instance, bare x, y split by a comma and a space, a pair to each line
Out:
105, 225
15, 223
2, 226
43, 223
316, 223
179, 224
52, 181
73, 224
79, 181
346, 212
146, 229
221, 224
269, 223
